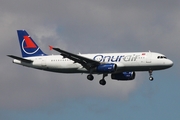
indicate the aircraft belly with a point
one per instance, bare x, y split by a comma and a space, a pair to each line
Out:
141, 68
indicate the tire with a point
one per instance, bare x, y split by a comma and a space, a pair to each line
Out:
102, 82
90, 77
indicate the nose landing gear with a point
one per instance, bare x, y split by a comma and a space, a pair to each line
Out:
150, 75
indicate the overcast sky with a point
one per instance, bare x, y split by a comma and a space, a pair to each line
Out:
89, 26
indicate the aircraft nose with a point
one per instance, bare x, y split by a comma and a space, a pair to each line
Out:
169, 63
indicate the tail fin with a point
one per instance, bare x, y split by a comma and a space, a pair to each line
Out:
28, 47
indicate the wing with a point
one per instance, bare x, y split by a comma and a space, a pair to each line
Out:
84, 61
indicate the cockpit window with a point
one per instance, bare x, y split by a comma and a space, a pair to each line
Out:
162, 57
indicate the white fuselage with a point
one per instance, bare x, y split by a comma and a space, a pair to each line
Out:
137, 61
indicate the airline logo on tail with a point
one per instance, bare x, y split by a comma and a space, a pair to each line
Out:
28, 46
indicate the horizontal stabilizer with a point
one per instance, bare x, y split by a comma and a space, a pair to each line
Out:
21, 59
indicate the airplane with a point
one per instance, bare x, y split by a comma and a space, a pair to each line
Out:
121, 66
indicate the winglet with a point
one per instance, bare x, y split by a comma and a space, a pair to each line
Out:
50, 47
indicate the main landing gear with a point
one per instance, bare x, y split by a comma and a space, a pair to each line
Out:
102, 81
150, 75
90, 77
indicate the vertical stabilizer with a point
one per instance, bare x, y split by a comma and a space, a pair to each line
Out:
28, 47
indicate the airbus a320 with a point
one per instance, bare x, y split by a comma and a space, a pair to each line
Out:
121, 66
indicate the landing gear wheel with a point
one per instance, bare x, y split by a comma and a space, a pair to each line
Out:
150, 75
151, 78
90, 77
102, 82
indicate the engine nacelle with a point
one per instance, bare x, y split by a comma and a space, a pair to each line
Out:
106, 68
124, 76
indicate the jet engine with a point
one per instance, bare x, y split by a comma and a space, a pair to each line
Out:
123, 76
106, 68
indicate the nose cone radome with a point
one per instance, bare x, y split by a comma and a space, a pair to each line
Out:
170, 63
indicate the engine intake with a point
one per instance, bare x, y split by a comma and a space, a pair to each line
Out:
123, 76
106, 68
